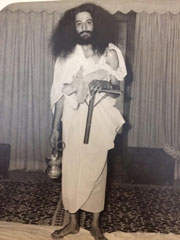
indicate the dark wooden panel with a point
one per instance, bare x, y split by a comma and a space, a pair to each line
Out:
4, 159
150, 166
125, 41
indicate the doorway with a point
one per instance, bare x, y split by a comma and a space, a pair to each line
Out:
117, 157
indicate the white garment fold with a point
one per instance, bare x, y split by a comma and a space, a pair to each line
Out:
84, 165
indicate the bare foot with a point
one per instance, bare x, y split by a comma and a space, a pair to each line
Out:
97, 234
68, 229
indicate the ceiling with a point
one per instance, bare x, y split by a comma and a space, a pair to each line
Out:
149, 6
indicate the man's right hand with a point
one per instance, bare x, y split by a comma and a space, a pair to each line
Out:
53, 138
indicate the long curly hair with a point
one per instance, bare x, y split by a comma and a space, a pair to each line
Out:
64, 37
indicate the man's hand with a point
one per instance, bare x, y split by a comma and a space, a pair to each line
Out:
54, 136
98, 85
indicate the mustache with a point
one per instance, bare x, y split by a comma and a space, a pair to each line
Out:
89, 32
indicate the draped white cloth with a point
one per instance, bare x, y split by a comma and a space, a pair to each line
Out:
84, 165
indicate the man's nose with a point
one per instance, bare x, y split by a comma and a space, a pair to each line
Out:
84, 26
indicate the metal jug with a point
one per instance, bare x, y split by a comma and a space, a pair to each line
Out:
54, 162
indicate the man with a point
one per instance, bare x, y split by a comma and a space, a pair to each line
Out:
87, 62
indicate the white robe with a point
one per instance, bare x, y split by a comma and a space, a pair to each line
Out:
84, 165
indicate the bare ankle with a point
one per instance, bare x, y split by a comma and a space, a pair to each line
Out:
95, 220
74, 219
94, 225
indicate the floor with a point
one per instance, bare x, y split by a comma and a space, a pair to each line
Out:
129, 207
16, 231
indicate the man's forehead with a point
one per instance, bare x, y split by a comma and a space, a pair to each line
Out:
83, 16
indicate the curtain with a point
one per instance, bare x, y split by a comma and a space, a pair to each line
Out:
124, 6
155, 105
26, 71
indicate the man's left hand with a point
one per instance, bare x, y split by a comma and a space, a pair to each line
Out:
98, 85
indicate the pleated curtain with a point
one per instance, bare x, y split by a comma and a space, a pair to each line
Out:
155, 90
26, 71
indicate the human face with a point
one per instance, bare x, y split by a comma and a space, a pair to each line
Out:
84, 24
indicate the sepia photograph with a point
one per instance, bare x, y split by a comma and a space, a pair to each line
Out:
90, 120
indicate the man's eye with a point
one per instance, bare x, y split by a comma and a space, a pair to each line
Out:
89, 22
78, 24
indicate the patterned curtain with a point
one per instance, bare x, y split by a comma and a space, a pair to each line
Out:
155, 105
26, 69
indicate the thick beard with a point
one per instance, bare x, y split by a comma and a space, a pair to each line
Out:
85, 40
